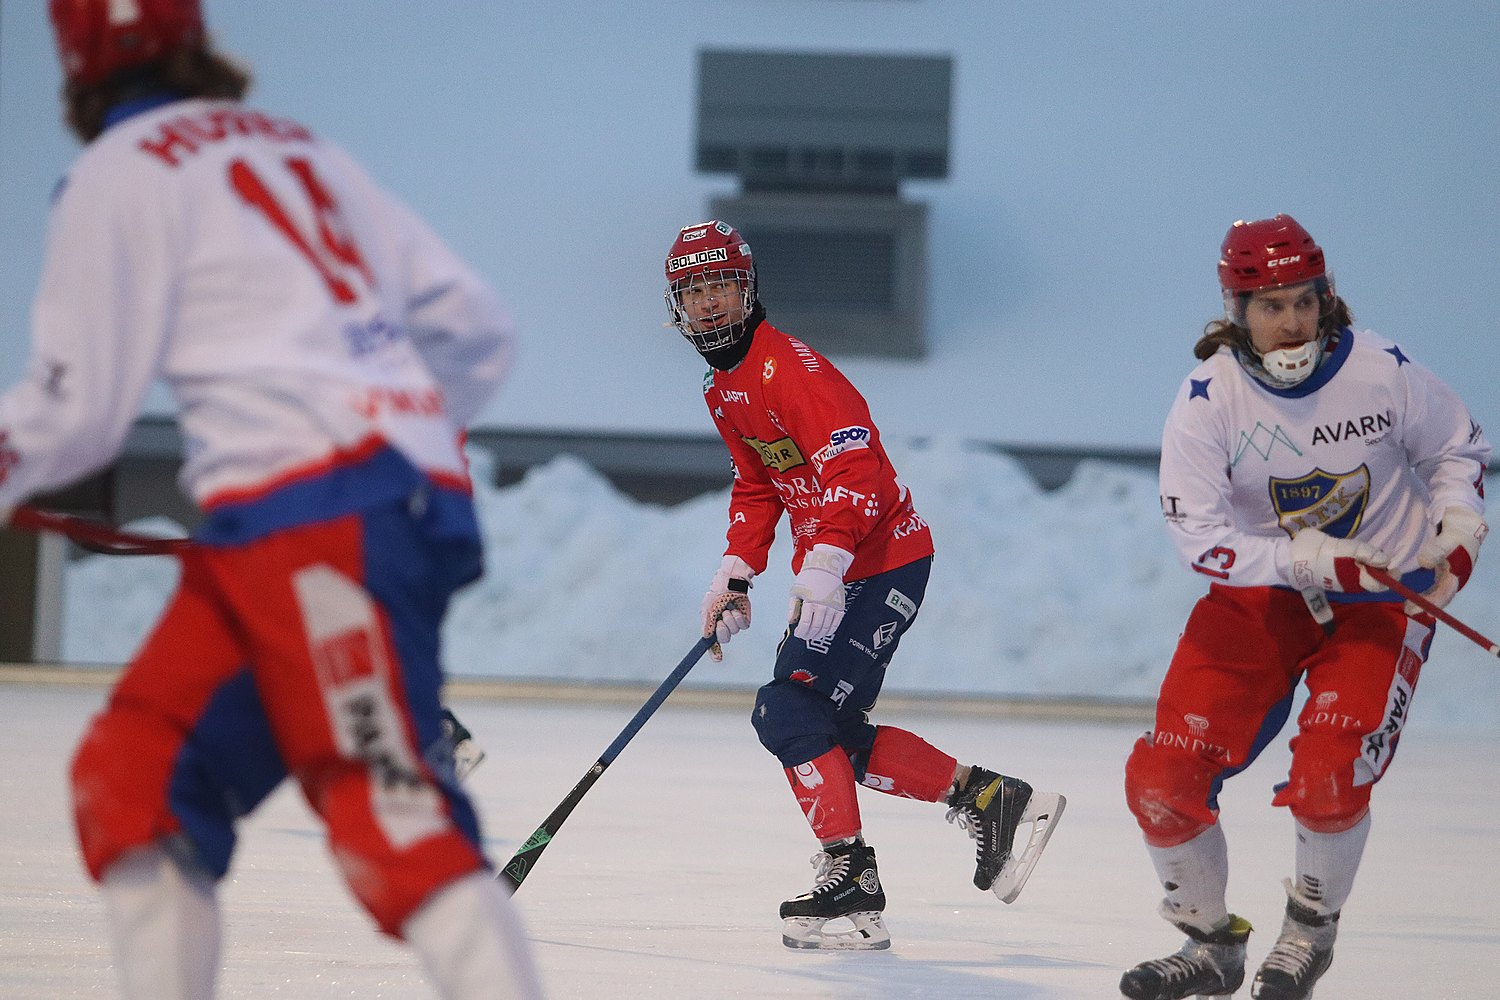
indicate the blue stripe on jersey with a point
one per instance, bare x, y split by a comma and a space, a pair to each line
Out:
128, 109
383, 479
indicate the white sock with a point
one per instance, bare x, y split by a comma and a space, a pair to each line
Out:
472, 943
164, 927
1195, 876
1327, 864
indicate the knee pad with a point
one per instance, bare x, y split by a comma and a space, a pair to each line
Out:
120, 777
794, 722
1168, 792
1320, 791
392, 864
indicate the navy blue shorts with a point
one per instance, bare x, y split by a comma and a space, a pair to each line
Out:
821, 692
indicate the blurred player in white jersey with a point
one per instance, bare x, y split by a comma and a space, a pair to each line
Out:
325, 350
1300, 453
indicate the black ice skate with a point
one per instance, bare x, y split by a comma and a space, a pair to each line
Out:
1207, 965
848, 887
466, 753
1299, 957
992, 807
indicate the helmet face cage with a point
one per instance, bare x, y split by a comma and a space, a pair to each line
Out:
702, 254
712, 333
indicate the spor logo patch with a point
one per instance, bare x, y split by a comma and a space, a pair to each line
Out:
842, 440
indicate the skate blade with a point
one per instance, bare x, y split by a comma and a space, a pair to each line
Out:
809, 933
1042, 813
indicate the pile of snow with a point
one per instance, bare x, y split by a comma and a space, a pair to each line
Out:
1073, 592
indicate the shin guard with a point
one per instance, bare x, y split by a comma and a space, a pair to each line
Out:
825, 790
902, 763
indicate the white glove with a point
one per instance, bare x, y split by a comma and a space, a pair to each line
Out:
1452, 552
1320, 560
818, 593
726, 606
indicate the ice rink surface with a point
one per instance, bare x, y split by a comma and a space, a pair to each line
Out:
666, 880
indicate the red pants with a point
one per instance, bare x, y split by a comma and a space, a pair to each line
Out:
1229, 690
310, 652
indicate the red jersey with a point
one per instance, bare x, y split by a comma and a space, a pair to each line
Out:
803, 442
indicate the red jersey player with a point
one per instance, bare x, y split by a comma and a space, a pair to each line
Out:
803, 444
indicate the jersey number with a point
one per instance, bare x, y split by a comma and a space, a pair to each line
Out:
1206, 564
334, 249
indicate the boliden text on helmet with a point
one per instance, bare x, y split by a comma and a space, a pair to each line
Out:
694, 259
184, 135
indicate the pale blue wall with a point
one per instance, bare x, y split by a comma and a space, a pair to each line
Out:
1100, 151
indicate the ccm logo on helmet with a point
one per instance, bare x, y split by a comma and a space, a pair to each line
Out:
694, 259
1278, 262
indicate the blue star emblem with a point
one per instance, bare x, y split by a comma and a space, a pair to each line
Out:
1395, 352
1199, 388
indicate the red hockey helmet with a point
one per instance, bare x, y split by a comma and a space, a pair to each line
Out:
706, 252
1269, 253
96, 38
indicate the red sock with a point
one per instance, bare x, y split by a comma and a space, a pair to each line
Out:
825, 790
904, 764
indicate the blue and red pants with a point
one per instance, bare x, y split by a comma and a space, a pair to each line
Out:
306, 649
1230, 688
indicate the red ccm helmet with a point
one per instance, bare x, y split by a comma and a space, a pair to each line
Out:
97, 38
704, 253
1269, 253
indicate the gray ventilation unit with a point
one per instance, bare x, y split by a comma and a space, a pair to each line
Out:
784, 121
820, 143
844, 273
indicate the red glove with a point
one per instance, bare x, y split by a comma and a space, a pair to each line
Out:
1452, 552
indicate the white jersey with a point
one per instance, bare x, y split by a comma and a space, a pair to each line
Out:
298, 312
1372, 446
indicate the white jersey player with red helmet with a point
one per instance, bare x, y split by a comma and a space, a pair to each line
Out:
325, 349
803, 444
1298, 454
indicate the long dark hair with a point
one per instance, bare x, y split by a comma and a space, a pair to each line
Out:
192, 71
1223, 332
